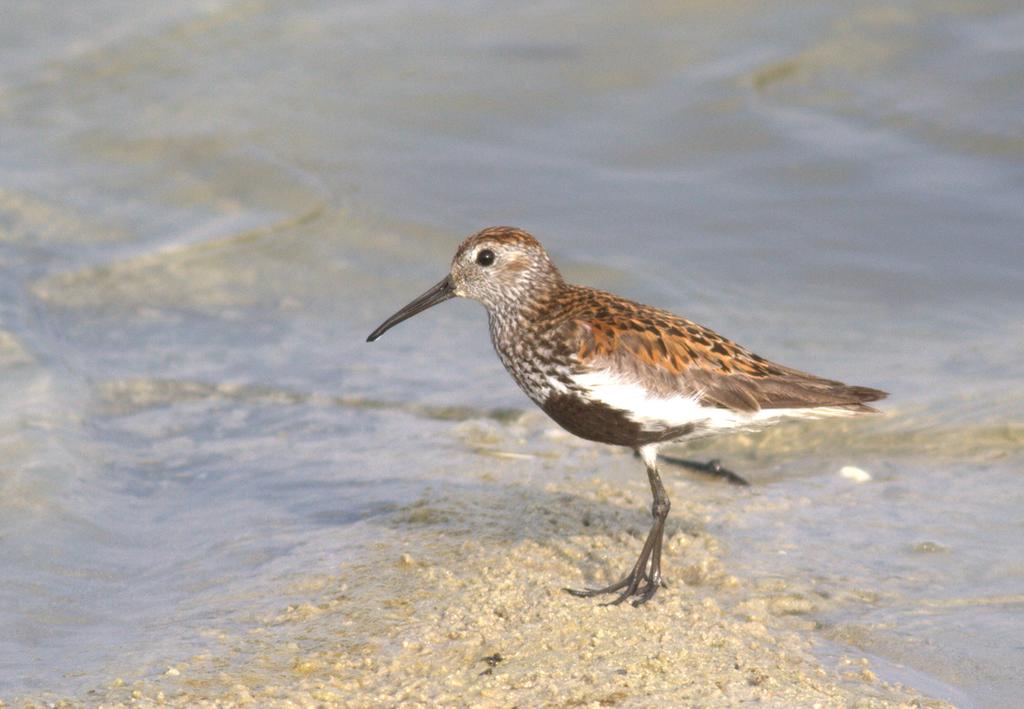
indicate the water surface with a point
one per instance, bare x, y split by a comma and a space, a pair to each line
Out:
205, 207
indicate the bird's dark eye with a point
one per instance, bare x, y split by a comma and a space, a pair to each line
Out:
485, 257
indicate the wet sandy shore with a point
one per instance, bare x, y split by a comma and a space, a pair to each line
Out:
459, 604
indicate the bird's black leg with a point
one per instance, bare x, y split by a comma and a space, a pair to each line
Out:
642, 582
712, 467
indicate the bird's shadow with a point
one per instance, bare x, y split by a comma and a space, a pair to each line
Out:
711, 469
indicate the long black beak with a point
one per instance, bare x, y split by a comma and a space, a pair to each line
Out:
438, 294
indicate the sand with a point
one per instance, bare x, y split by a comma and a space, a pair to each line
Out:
459, 603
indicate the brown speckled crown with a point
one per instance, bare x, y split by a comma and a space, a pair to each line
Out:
501, 234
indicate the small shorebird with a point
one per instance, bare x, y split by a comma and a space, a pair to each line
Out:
614, 371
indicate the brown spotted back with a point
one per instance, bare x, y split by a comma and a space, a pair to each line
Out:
675, 356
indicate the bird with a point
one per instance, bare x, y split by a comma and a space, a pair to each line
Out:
611, 370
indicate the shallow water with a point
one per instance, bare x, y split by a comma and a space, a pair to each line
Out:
204, 209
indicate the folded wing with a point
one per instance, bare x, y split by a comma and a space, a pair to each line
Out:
673, 357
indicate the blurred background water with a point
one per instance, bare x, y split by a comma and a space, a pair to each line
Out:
205, 206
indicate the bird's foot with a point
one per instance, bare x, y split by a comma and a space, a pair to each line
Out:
639, 587
644, 579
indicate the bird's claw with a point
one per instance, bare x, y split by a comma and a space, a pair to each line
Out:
640, 587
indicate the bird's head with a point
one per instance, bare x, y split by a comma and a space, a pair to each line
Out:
501, 267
